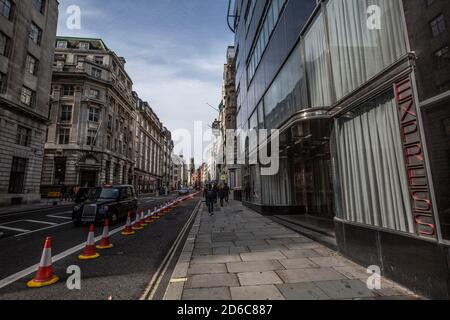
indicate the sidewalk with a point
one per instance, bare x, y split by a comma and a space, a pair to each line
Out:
240, 255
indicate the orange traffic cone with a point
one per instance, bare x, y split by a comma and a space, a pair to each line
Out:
143, 219
155, 215
105, 243
149, 218
44, 276
138, 225
89, 251
128, 231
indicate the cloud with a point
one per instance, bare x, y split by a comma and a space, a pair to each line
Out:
175, 51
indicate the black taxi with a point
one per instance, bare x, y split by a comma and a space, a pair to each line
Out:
112, 202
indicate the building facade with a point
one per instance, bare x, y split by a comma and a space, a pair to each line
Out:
149, 146
90, 138
27, 37
362, 125
231, 173
179, 176
166, 159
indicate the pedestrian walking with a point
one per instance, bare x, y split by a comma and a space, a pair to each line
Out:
227, 191
210, 195
222, 195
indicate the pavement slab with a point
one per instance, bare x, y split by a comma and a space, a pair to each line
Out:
259, 278
239, 254
207, 294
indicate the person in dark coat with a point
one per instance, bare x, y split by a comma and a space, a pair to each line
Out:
210, 195
226, 190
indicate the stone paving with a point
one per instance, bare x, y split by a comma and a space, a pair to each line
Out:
237, 254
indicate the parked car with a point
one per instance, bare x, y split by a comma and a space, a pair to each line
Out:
183, 191
112, 202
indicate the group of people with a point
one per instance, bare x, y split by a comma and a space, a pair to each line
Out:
212, 193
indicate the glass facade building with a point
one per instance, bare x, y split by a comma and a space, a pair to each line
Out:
364, 128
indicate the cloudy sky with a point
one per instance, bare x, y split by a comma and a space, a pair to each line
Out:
175, 50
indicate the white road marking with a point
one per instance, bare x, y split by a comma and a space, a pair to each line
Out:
150, 291
35, 231
21, 274
14, 229
42, 222
59, 217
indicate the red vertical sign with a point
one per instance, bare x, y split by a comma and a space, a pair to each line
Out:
414, 158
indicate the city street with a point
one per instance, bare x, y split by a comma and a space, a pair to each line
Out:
123, 272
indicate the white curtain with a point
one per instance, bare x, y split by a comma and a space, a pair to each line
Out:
371, 168
358, 52
276, 189
317, 64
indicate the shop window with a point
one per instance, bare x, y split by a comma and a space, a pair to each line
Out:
371, 168
317, 65
358, 53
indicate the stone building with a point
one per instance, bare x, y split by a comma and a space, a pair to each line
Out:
92, 117
148, 141
166, 166
27, 37
179, 172
231, 173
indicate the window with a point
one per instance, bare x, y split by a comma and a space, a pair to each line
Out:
93, 93
371, 168
94, 114
97, 73
98, 59
32, 65
66, 113
27, 97
91, 137
61, 44
262, 39
39, 5
442, 57
3, 81
359, 55
17, 176
438, 25
23, 137
4, 44
35, 34
60, 170
6, 9
68, 90
84, 45
108, 142
63, 136
110, 119
80, 58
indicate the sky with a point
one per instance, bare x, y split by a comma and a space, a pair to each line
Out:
175, 51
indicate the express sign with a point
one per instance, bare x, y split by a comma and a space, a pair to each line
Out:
414, 158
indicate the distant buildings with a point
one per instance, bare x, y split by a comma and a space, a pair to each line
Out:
27, 37
179, 177
148, 149
100, 131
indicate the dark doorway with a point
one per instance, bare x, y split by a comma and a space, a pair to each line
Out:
88, 179
60, 170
